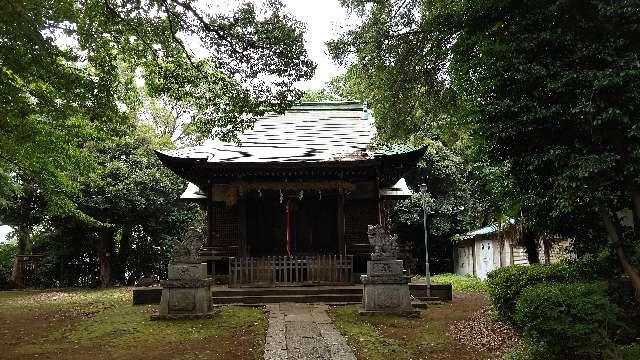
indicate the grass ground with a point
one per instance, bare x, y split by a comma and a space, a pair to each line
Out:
81, 324
461, 329
459, 283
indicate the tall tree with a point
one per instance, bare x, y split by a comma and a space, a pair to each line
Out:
136, 211
68, 73
396, 62
547, 87
134, 194
62, 87
556, 96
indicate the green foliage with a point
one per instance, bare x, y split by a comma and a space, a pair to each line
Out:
518, 353
566, 321
506, 284
7, 253
621, 293
342, 87
541, 94
69, 68
135, 212
136, 204
398, 69
460, 282
4, 277
398, 59
459, 197
630, 352
571, 141
319, 95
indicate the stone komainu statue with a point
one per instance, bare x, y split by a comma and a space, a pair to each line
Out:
385, 245
185, 251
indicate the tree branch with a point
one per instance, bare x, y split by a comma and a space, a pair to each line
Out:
207, 26
173, 32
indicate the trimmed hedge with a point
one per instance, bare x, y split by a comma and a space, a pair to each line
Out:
566, 321
504, 285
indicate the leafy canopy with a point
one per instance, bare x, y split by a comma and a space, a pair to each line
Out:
398, 62
68, 71
547, 87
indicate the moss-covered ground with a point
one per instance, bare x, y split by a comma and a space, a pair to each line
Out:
102, 324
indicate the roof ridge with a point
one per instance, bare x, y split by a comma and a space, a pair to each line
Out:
330, 105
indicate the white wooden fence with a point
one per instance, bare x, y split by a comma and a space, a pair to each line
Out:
290, 270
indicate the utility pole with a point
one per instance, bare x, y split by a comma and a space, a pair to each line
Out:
423, 190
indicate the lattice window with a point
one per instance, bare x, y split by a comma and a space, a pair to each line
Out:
226, 226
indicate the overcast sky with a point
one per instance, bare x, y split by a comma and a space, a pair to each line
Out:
324, 19
4, 230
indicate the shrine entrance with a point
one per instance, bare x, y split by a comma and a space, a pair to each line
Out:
313, 226
295, 227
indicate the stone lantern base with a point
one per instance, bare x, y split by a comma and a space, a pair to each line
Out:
186, 294
386, 289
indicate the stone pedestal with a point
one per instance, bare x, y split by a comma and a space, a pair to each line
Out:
186, 293
386, 289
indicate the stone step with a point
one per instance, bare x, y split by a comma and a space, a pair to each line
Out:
269, 299
427, 298
258, 305
439, 292
417, 304
297, 290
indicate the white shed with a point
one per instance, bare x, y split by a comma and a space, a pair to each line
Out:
479, 252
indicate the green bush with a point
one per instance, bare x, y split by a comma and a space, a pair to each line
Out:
519, 352
566, 321
621, 293
504, 285
8, 251
629, 352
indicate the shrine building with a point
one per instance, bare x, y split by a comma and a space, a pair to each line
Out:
291, 201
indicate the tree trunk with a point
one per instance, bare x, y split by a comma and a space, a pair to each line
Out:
17, 274
546, 248
105, 250
123, 255
615, 241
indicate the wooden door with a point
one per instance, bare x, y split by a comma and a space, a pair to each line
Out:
314, 226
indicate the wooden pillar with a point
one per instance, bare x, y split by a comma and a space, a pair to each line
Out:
242, 212
380, 202
381, 212
342, 249
209, 213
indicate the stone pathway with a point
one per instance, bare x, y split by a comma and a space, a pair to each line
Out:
303, 331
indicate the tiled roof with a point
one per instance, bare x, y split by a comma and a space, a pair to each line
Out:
307, 133
489, 229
